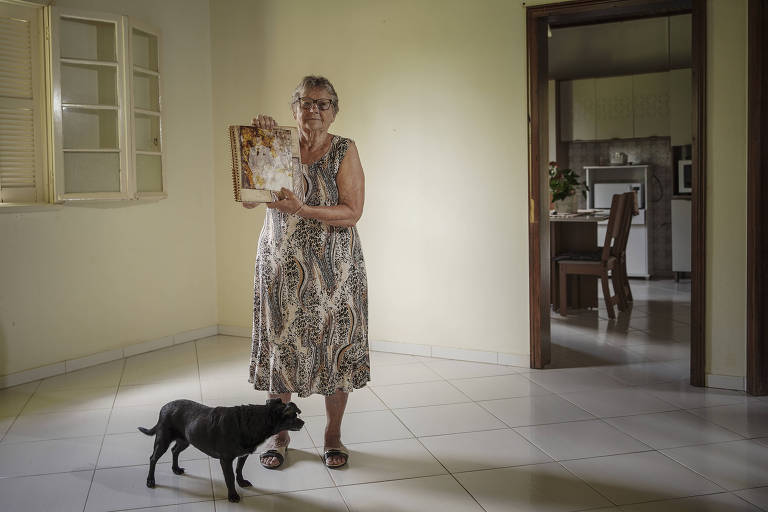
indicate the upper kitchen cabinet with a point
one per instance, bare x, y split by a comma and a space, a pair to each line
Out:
578, 110
651, 104
614, 111
680, 113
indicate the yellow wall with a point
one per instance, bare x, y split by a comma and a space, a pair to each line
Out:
726, 187
433, 92
76, 281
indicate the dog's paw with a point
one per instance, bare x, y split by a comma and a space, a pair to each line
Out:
151, 483
242, 482
234, 498
178, 470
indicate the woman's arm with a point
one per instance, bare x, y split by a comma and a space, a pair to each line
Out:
350, 181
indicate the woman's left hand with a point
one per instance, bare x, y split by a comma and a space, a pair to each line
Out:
287, 202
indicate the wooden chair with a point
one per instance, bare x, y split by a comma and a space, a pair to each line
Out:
610, 258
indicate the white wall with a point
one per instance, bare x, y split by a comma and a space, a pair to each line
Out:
433, 92
81, 280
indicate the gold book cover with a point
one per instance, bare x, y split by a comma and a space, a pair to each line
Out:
263, 161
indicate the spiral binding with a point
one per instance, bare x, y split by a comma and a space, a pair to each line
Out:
235, 162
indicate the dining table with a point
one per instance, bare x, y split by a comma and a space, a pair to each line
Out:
574, 233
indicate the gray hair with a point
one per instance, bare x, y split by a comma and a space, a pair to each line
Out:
316, 82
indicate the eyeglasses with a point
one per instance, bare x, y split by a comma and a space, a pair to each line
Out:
307, 103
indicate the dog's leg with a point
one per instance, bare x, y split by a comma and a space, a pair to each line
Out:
229, 478
181, 445
162, 442
242, 482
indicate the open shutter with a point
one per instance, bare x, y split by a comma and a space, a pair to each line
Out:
21, 147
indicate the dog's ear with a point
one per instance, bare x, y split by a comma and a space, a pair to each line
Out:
271, 402
291, 408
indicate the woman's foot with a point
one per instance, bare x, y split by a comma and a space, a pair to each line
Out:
335, 454
273, 455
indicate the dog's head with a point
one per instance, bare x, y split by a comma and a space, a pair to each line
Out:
284, 416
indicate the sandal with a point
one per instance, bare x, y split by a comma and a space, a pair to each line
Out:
278, 452
335, 452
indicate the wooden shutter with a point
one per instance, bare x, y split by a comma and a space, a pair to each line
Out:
22, 146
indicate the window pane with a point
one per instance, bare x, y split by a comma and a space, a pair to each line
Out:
86, 39
147, 133
144, 50
92, 172
146, 92
149, 173
88, 85
89, 128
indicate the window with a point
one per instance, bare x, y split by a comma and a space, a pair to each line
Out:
100, 102
23, 120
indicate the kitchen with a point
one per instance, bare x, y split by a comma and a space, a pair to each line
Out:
620, 115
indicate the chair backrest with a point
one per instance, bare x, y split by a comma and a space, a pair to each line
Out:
619, 220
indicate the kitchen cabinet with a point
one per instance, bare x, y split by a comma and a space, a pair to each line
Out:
577, 110
680, 114
614, 108
651, 104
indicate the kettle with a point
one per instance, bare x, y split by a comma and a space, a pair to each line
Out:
618, 158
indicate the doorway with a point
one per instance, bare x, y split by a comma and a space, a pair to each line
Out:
539, 20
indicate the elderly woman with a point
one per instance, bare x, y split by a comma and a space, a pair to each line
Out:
310, 314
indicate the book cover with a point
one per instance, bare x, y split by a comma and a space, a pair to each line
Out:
264, 161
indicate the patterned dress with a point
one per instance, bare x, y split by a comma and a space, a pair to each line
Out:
310, 308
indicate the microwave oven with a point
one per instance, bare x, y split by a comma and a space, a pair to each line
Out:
684, 177
603, 194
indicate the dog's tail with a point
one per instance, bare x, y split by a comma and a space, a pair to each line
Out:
148, 431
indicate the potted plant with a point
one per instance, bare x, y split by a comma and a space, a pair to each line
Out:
563, 184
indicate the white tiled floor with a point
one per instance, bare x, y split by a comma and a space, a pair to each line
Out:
613, 426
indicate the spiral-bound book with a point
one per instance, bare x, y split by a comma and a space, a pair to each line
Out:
264, 161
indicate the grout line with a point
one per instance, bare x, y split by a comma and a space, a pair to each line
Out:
103, 436
16, 417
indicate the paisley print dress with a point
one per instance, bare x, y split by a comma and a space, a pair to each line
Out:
310, 308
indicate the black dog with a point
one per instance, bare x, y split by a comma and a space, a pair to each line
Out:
224, 433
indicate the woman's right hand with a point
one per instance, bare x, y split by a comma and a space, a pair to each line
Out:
264, 122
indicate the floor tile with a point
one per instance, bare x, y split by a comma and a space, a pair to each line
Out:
491, 449
534, 410
749, 419
43, 457
618, 402
13, 400
564, 381
126, 487
301, 470
733, 465
636, 374
580, 439
128, 419
386, 460
757, 496
176, 363
360, 427
540, 488
156, 394
451, 369
49, 401
723, 502
62, 492
5, 424
315, 500
672, 429
685, 396
388, 358
60, 425
199, 506
447, 419
105, 375
134, 449
639, 477
419, 394
441, 493
402, 374
500, 386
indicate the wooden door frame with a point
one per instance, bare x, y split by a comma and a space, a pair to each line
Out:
537, 18
757, 207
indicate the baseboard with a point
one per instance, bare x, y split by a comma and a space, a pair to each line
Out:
232, 330
70, 365
476, 356
726, 382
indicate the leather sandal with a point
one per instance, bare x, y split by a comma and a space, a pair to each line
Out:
278, 452
335, 452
